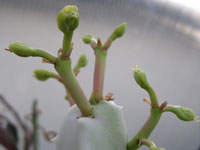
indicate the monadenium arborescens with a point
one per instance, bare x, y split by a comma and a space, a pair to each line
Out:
96, 123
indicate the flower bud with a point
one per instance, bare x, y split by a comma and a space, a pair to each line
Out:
140, 78
118, 32
21, 49
90, 39
185, 114
43, 75
82, 62
87, 38
68, 19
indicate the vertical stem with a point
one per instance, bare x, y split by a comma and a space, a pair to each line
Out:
35, 125
99, 73
66, 47
146, 130
63, 67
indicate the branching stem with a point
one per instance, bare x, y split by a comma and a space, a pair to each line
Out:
63, 67
146, 130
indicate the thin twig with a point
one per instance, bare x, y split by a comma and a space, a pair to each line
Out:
14, 112
27, 132
35, 125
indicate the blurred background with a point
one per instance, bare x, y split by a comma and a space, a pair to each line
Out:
162, 37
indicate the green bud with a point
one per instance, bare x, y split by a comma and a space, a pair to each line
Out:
87, 38
21, 49
118, 32
90, 39
24, 50
82, 62
43, 75
140, 78
185, 114
68, 19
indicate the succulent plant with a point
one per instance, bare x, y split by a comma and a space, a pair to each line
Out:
96, 123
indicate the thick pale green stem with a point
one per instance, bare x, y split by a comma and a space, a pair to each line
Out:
69, 98
146, 130
66, 47
99, 73
82, 62
63, 67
